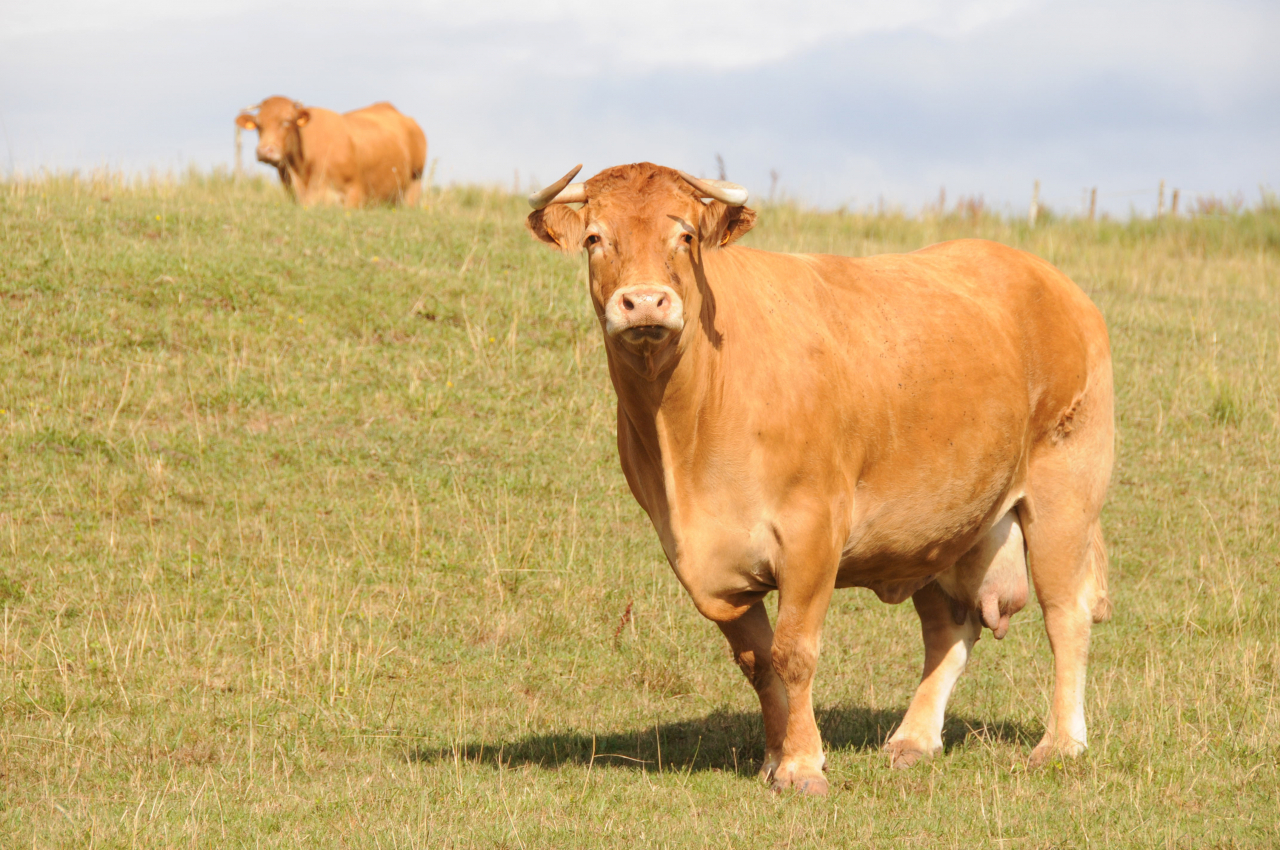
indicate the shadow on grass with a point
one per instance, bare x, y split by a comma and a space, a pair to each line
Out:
725, 741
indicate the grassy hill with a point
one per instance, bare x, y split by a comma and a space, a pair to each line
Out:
312, 534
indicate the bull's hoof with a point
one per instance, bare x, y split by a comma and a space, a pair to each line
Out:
814, 786
1044, 753
1040, 756
905, 757
770, 766
801, 779
905, 754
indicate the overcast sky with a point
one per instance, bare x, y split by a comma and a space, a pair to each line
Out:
848, 102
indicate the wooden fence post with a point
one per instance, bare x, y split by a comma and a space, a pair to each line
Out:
1173, 205
1035, 205
1160, 202
1093, 203
239, 163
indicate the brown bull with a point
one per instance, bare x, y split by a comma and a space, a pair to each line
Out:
923, 425
367, 156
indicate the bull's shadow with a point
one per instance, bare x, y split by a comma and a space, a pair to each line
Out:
724, 741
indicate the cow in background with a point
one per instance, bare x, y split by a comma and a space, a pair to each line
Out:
924, 425
366, 156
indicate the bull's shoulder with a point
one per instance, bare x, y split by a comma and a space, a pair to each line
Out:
381, 107
324, 135
983, 248
975, 270
753, 261
320, 115
993, 260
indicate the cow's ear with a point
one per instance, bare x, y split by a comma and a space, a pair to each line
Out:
304, 115
558, 225
245, 120
728, 223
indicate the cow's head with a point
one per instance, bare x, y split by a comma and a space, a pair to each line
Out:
645, 229
277, 122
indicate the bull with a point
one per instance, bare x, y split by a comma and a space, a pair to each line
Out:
935, 425
366, 156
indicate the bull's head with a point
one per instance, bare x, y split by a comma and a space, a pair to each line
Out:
277, 122
645, 229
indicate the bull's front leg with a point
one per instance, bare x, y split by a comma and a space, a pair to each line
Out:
805, 585
751, 639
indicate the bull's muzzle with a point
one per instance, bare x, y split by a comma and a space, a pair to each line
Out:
644, 313
269, 154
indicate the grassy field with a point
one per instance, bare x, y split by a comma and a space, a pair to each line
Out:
312, 534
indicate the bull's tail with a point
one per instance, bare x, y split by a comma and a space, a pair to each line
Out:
1098, 563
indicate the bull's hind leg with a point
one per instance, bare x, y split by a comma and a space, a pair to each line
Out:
1066, 486
946, 653
987, 586
751, 639
1066, 565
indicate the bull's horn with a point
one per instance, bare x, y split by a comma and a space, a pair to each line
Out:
560, 192
721, 190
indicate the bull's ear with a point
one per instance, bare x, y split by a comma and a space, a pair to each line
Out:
558, 225
245, 120
727, 223
304, 115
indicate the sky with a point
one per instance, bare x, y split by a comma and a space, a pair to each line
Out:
849, 104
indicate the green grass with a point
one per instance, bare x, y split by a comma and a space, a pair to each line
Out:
312, 534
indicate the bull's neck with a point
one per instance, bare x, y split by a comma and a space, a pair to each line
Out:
671, 400
292, 157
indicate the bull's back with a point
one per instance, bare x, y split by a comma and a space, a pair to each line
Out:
391, 148
1062, 342
973, 317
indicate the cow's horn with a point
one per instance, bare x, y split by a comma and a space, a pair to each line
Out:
560, 192
721, 190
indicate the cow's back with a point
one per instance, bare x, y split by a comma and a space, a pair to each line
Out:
390, 147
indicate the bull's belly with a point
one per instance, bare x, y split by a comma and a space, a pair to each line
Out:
727, 554
989, 579
895, 559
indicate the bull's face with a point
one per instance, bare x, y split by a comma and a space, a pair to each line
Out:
644, 229
277, 123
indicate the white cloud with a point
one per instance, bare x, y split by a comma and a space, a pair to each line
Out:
641, 34
847, 100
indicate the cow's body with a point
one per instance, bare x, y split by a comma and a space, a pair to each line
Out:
903, 396
366, 156
905, 423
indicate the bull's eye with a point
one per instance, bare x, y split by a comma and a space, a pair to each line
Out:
592, 240
686, 239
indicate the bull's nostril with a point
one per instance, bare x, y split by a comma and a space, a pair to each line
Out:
628, 304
